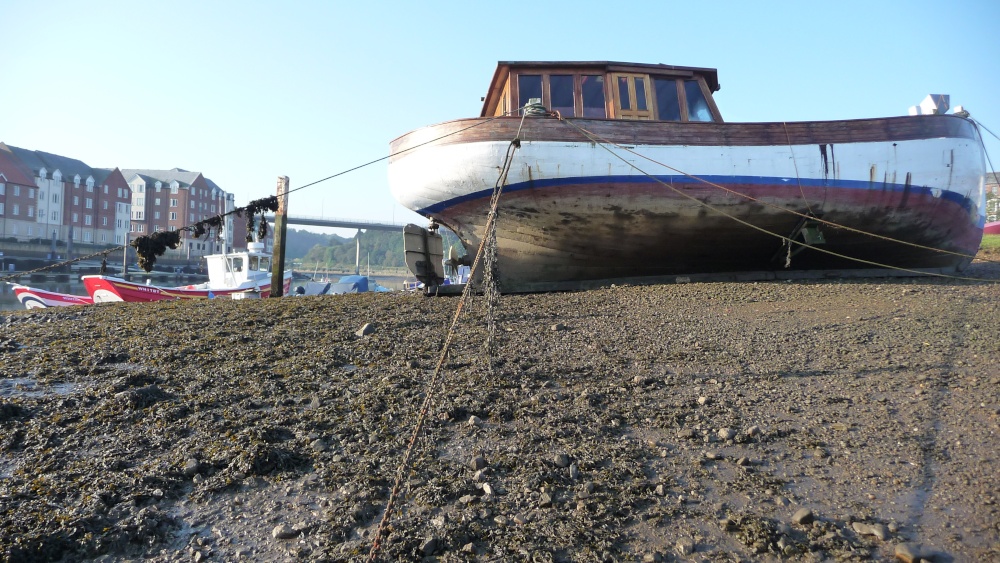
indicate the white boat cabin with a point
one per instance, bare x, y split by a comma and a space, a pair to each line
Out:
606, 90
240, 268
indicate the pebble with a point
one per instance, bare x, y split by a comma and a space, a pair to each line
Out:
365, 330
561, 460
726, 433
429, 546
685, 434
283, 532
477, 463
557, 327
685, 546
877, 530
702, 400
475, 420
803, 516
574, 471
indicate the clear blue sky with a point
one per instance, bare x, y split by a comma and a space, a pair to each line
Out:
248, 91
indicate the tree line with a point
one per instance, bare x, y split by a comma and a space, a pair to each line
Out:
382, 249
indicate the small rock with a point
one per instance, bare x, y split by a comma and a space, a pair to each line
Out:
561, 460
557, 327
661, 490
192, 467
685, 434
500, 520
439, 521
469, 548
877, 530
574, 471
712, 455
753, 430
726, 433
283, 532
367, 329
475, 420
804, 516
908, 552
477, 463
702, 400
318, 446
429, 546
685, 546
545, 501
743, 462
726, 524
520, 519
654, 557
467, 499
488, 489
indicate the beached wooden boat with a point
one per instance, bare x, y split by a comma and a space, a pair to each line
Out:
230, 275
628, 170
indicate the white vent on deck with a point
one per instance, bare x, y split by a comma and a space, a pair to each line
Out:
933, 104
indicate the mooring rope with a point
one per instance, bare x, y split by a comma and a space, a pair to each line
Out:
432, 382
604, 143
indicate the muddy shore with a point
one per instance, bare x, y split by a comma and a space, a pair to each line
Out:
803, 421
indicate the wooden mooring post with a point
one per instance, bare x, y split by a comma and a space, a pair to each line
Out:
280, 228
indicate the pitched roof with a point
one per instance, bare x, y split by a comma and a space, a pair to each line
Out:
36, 160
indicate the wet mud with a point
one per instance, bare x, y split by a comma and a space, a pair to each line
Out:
803, 421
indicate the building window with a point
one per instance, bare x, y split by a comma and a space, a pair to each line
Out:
173, 203
31, 193
156, 228
17, 190
192, 205
31, 211
76, 181
76, 200
191, 217
173, 216
156, 201
173, 189
105, 204
1, 208
104, 221
76, 217
16, 209
90, 203
30, 231
156, 215
105, 189
140, 201
88, 220
104, 238
55, 198
55, 216
3, 189
86, 236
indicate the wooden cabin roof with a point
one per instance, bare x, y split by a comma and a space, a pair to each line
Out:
504, 68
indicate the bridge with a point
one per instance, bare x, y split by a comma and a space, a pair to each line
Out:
339, 223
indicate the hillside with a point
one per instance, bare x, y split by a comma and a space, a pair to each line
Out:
381, 249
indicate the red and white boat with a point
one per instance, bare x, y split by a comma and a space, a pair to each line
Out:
35, 298
235, 274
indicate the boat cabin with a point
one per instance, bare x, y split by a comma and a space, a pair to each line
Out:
605, 90
232, 269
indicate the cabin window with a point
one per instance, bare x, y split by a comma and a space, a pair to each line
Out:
253, 263
697, 105
265, 264
593, 96
237, 264
528, 86
632, 97
668, 105
561, 94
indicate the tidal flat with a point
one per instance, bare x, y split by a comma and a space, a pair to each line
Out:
846, 420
